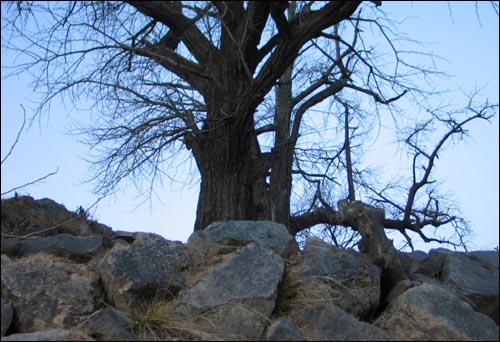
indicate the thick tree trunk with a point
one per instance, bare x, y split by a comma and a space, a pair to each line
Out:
226, 193
233, 185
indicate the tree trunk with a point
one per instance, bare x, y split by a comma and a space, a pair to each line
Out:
280, 187
369, 221
233, 177
281, 173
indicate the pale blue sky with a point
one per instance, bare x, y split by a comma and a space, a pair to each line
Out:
468, 42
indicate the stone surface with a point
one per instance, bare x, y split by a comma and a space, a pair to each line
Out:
230, 322
49, 335
354, 283
78, 248
6, 315
147, 268
328, 322
269, 234
252, 275
239, 293
109, 324
433, 312
283, 329
474, 275
48, 292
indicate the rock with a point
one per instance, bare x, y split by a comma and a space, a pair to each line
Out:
228, 322
6, 315
283, 329
253, 273
400, 288
352, 283
473, 275
49, 335
488, 257
77, 248
125, 236
269, 234
238, 280
328, 322
247, 283
148, 268
48, 292
109, 324
435, 313
412, 261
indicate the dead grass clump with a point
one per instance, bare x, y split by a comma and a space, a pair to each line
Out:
160, 320
295, 291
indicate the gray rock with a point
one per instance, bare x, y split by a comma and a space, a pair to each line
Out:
328, 322
252, 273
50, 335
431, 312
488, 257
283, 329
48, 292
245, 286
412, 261
474, 275
267, 233
109, 324
432, 266
6, 315
149, 268
400, 288
125, 236
353, 283
229, 322
78, 248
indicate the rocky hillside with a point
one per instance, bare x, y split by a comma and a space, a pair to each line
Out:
67, 278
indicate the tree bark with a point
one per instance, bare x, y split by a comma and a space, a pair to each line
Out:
232, 168
230, 187
369, 221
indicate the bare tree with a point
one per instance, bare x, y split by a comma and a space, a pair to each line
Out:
168, 77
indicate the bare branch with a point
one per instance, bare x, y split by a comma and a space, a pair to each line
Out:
30, 183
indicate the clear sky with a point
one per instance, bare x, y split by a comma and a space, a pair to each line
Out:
470, 170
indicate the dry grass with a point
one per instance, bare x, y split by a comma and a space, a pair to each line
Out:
160, 320
295, 292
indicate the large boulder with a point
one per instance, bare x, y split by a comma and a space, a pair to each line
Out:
474, 275
346, 278
148, 268
109, 324
434, 313
327, 322
240, 292
48, 292
267, 233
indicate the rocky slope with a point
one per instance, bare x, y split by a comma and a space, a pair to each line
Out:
65, 277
